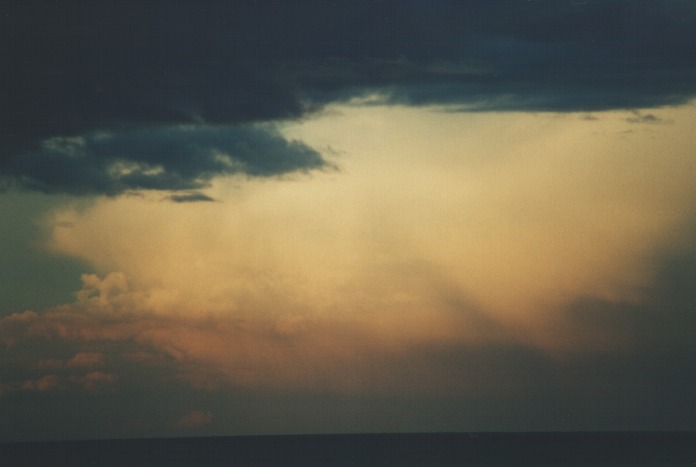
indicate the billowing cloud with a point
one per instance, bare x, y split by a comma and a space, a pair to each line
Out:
224, 351
250, 374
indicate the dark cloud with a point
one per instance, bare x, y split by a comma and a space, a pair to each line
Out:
653, 376
156, 158
72, 70
664, 320
194, 197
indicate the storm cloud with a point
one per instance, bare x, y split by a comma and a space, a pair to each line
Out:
346, 216
148, 67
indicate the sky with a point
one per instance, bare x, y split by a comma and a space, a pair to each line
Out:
261, 217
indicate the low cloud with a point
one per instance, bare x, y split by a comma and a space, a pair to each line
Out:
162, 158
191, 198
234, 349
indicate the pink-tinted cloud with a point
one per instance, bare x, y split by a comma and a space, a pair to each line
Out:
86, 359
45, 383
94, 379
80, 360
292, 352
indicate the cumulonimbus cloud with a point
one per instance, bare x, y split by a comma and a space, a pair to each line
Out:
473, 233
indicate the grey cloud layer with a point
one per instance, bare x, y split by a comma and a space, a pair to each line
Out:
74, 70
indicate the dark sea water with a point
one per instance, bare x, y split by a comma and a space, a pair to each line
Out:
467, 449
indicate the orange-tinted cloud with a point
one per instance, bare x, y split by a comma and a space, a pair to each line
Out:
195, 419
45, 383
94, 379
435, 235
80, 360
438, 226
86, 359
89, 382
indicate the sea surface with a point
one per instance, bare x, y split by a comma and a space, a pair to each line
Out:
445, 449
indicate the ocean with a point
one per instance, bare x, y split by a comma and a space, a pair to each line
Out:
661, 449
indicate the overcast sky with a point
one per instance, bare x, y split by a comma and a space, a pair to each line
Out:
261, 217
